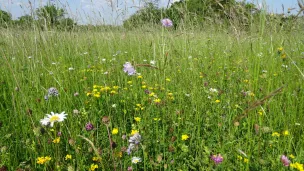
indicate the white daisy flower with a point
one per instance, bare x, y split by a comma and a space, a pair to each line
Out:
136, 160
213, 90
52, 118
152, 62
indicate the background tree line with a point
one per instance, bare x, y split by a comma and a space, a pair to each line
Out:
47, 17
204, 13
184, 13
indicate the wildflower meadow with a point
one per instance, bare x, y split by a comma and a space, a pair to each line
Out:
151, 99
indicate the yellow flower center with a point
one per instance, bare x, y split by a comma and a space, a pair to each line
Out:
54, 118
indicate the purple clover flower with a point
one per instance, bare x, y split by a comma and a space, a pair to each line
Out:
89, 126
128, 68
285, 160
217, 159
166, 22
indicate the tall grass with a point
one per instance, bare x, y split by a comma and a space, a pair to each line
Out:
211, 89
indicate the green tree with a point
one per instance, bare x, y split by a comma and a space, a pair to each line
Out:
67, 24
150, 14
50, 15
5, 18
25, 20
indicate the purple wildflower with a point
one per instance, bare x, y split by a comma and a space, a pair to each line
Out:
128, 68
89, 126
285, 160
134, 141
217, 159
53, 92
167, 22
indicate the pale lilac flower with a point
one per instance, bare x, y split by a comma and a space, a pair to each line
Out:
134, 141
285, 160
130, 148
128, 68
217, 159
53, 92
166, 22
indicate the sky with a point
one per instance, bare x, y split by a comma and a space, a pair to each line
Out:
112, 11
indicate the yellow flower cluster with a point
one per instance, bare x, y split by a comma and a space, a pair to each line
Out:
244, 159
56, 140
282, 53
96, 159
42, 160
139, 107
137, 119
297, 166
68, 157
134, 131
170, 96
284, 133
97, 90
93, 167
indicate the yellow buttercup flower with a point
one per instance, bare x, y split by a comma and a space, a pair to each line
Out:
185, 137
156, 119
43, 160
56, 140
137, 119
96, 159
134, 132
157, 100
93, 167
115, 131
152, 94
285, 133
275, 134
291, 156
68, 157
97, 95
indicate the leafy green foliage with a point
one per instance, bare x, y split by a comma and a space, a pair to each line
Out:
5, 18
50, 15
195, 12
